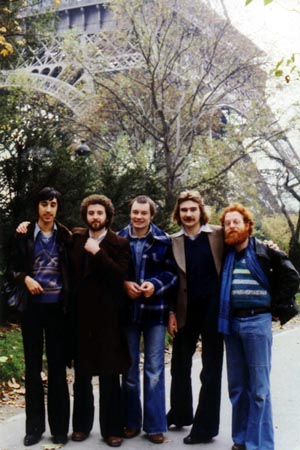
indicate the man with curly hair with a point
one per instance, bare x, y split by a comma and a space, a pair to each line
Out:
257, 282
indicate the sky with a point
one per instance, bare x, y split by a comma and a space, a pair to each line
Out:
274, 28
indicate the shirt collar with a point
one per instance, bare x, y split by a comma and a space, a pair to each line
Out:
101, 237
38, 229
203, 229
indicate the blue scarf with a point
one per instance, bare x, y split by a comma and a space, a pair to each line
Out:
255, 270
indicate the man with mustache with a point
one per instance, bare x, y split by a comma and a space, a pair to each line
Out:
100, 261
198, 251
257, 281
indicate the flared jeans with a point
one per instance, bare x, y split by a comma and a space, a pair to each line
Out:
248, 351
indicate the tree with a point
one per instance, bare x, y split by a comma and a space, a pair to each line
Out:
181, 86
276, 228
283, 177
16, 31
285, 68
266, 2
35, 151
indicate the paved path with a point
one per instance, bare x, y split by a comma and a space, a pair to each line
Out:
286, 407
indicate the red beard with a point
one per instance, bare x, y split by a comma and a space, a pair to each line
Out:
236, 237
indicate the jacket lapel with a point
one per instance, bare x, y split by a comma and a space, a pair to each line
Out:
216, 246
215, 238
179, 252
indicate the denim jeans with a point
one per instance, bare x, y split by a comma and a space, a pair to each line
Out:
154, 417
248, 351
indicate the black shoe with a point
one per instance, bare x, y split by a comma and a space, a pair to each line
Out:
60, 439
238, 447
31, 439
177, 424
197, 439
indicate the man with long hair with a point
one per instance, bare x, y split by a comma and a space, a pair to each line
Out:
198, 250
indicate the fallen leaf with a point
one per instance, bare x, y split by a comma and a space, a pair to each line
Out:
52, 446
13, 384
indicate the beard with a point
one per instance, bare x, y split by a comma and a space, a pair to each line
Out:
97, 226
236, 237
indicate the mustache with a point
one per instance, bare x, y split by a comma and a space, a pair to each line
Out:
231, 232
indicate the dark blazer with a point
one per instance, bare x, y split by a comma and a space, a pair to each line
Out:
99, 304
215, 237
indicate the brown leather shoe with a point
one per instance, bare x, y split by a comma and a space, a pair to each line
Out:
156, 438
78, 436
114, 441
130, 433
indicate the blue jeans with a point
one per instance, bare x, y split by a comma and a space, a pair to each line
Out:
248, 351
154, 420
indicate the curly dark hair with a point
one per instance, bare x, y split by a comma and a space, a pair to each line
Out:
97, 199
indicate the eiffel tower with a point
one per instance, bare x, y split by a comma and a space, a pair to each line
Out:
45, 69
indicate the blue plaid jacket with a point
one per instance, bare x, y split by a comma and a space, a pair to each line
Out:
158, 266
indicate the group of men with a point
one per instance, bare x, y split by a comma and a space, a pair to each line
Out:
118, 290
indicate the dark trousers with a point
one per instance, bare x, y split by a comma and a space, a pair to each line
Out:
201, 321
110, 405
45, 323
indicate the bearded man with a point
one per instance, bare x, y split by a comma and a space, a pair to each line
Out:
100, 261
257, 282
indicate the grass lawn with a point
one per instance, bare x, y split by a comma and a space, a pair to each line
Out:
11, 353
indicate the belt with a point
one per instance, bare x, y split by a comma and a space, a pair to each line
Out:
249, 312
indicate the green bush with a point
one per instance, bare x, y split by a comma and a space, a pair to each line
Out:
11, 354
298, 299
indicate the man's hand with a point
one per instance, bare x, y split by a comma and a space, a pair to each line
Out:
148, 289
272, 245
33, 286
172, 324
22, 227
132, 289
92, 246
